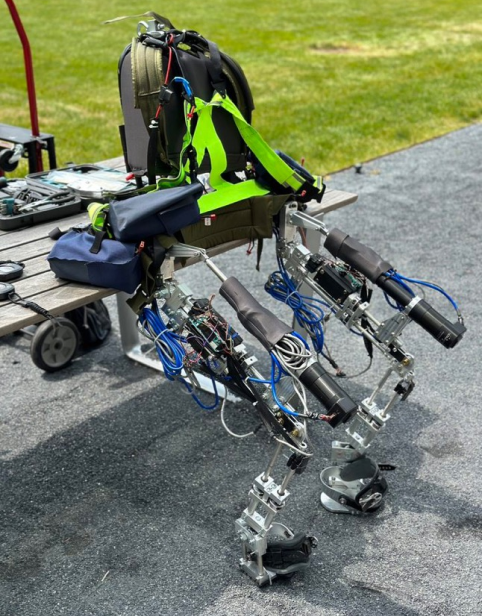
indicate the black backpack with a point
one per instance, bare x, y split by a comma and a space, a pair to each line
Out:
157, 56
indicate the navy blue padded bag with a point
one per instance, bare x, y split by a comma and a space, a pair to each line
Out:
115, 266
160, 212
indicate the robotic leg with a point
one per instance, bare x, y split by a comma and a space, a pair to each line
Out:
271, 549
354, 483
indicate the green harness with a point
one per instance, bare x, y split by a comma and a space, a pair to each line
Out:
205, 139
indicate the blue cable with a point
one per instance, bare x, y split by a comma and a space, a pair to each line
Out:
398, 278
297, 335
308, 311
275, 364
196, 399
430, 285
185, 83
390, 303
403, 279
173, 363
268, 382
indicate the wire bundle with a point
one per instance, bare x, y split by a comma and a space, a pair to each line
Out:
168, 345
171, 352
290, 354
308, 311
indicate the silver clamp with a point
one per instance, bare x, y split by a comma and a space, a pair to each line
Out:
300, 219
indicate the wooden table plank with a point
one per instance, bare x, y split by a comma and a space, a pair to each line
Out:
332, 200
28, 251
40, 283
34, 266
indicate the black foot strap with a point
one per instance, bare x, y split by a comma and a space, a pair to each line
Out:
364, 485
286, 556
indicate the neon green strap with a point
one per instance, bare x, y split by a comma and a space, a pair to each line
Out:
232, 193
206, 139
97, 213
225, 193
276, 167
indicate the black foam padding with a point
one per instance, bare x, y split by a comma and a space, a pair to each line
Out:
362, 468
257, 319
356, 254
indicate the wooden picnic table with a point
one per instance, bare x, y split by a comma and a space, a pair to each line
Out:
38, 283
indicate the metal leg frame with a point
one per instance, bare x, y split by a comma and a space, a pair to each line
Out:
270, 549
354, 483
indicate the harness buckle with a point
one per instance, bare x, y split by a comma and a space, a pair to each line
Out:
165, 95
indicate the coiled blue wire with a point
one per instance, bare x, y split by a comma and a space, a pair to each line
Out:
172, 361
308, 311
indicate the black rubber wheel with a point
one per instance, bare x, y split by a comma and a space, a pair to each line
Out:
5, 164
54, 344
93, 322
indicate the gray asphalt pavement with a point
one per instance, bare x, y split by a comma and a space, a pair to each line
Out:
118, 495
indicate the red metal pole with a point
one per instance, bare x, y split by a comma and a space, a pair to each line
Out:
27, 56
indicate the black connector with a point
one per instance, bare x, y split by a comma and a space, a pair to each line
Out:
298, 463
404, 389
165, 95
314, 262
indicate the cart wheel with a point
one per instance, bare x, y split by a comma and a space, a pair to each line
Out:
5, 164
54, 344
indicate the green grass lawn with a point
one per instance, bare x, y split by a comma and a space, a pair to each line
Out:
335, 81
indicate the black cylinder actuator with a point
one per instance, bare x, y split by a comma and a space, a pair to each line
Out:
376, 269
322, 385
